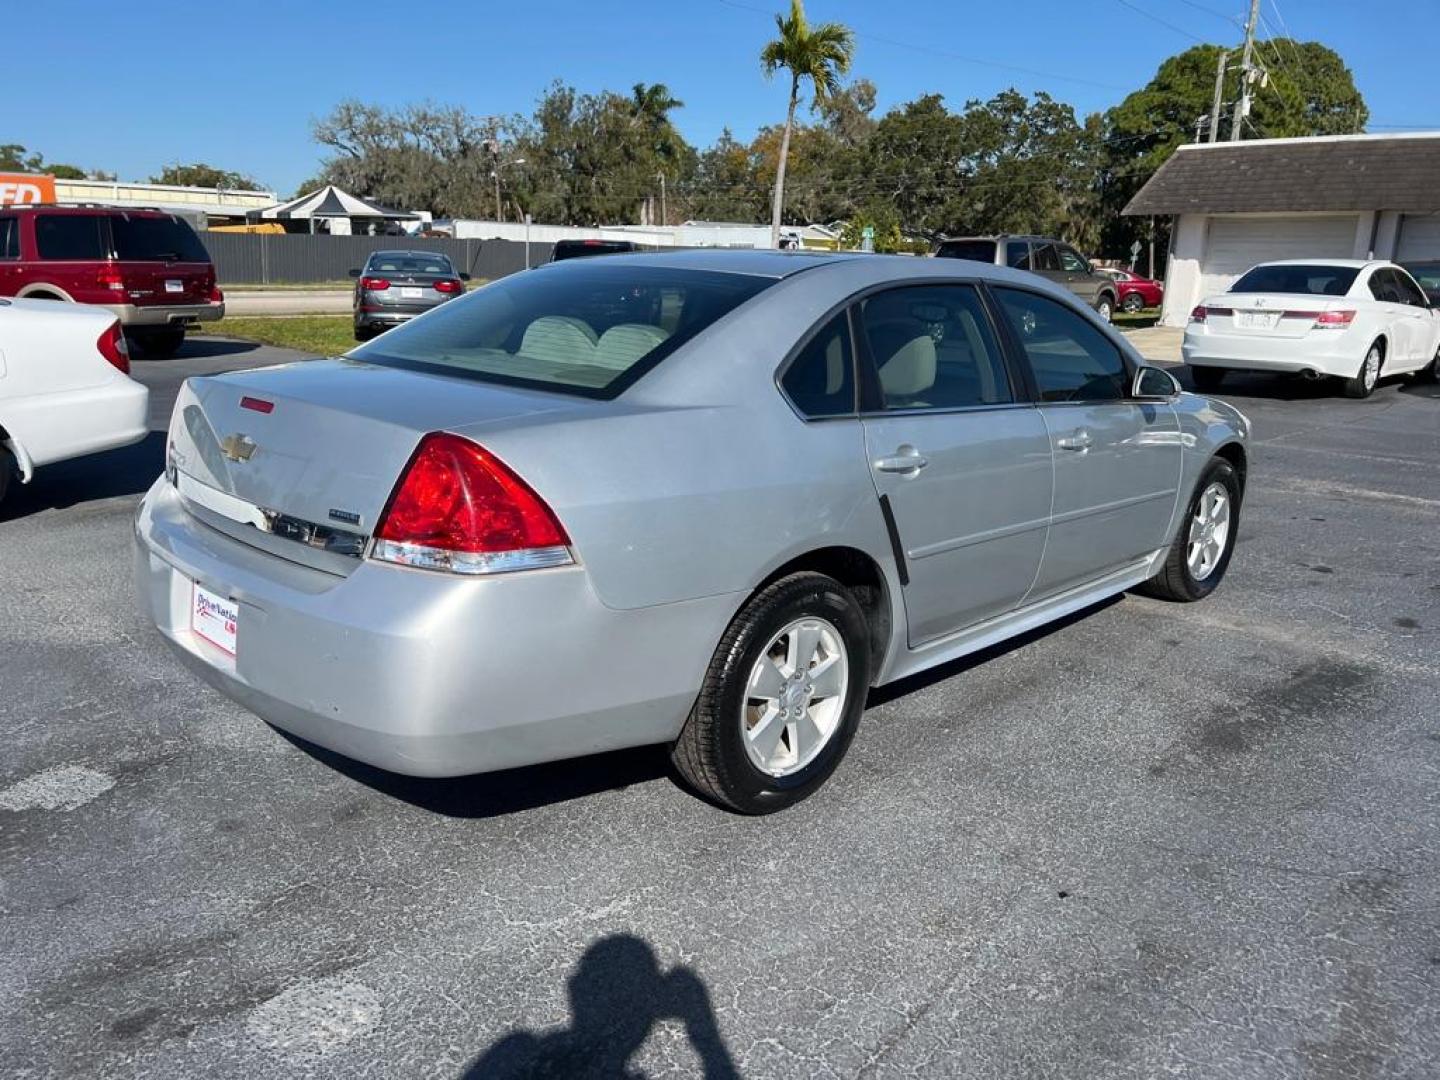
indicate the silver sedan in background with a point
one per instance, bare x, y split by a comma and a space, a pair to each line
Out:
707, 499
395, 286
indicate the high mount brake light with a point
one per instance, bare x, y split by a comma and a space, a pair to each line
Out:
459, 508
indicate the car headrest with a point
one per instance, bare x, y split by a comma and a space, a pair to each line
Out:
905, 353
620, 346
561, 338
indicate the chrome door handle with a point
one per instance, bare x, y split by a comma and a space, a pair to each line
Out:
906, 460
1079, 442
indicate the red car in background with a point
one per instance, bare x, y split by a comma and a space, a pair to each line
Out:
147, 267
1135, 290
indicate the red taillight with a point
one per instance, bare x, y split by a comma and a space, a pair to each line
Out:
1333, 320
457, 507
112, 346
447, 286
109, 277
216, 295
1198, 314
374, 283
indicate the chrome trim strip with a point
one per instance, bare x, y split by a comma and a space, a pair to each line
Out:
283, 526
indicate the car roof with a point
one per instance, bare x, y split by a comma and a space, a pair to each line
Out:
392, 252
90, 209
756, 262
1351, 264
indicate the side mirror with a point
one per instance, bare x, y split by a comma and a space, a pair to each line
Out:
464, 277
1154, 384
354, 273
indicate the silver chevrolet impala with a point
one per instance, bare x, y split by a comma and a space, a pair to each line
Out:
707, 499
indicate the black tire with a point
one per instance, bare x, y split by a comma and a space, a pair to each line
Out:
1132, 303
1207, 378
1105, 306
710, 753
1359, 385
1431, 371
8, 472
1175, 581
363, 333
159, 344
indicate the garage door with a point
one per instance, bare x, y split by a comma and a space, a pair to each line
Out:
1419, 238
1235, 244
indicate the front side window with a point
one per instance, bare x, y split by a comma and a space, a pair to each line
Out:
1072, 261
1017, 254
583, 327
1046, 257
1300, 279
933, 348
820, 380
69, 236
1072, 358
9, 238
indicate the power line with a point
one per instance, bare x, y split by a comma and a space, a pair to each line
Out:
1156, 19
948, 55
1233, 20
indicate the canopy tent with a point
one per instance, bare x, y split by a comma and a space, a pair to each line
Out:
329, 202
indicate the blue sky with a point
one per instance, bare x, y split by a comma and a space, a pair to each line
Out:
130, 87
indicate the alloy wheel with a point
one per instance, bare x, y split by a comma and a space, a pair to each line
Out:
1209, 531
795, 697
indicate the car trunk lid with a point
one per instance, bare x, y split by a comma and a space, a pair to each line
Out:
301, 459
1268, 315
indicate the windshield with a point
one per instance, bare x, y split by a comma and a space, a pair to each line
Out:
581, 328
974, 250
150, 239
1298, 279
409, 262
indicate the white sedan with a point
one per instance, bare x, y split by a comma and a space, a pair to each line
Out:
65, 389
1350, 319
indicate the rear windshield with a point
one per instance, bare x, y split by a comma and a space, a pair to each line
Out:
570, 249
410, 263
974, 250
1297, 279
156, 239
582, 328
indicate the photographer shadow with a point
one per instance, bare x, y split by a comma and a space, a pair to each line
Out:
617, 995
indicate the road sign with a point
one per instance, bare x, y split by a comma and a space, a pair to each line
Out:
867, 238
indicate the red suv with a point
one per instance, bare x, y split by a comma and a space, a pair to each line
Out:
146, 266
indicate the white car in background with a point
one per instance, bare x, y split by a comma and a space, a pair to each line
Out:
1351, 319
65, 389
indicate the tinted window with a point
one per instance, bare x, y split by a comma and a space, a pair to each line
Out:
586, 328
1072, 358
820, 380
1017, 254
69, 236
1298, 279
1427, 274
156, 239
932, 347
1072, 261
974, 250
405, 262
1382, 287
1407, 290
1046, 257
570, 249
9, 238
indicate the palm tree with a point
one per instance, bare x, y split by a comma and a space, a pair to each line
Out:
651, 104
819, 53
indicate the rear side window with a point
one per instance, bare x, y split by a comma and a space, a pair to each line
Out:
820, 380
1297, 279
1017, 254
582, 328
1046, 257
974, 250
1072, 358
1407, 291
9, 238
156, 239
69, 236
933, 348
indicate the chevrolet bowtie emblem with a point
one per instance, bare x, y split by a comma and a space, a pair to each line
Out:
238, 447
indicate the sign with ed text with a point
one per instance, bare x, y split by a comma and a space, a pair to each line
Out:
23, 189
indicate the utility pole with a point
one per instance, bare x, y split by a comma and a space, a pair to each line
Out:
1219, 93
1242, 105
499, 209
664, 215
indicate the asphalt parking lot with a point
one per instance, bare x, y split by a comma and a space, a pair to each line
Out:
1191, 841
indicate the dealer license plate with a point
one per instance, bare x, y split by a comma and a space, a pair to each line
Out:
1256, 320
174, 286
214, 618
411, 294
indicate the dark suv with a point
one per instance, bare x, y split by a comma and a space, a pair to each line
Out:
146, 266
1053, 259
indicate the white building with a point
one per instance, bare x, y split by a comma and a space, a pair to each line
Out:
1236, 204
214, 205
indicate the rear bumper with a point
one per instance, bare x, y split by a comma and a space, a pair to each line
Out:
424, 673
1339, 357
134, 315
47, 428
